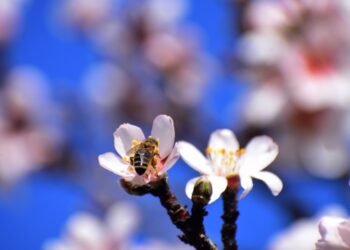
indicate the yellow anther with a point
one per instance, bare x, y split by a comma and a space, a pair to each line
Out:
240, 151
125, 158
135, 142
150, 137
221, 151
208, 150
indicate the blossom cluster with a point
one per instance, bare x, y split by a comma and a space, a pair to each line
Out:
224, 158
300, 79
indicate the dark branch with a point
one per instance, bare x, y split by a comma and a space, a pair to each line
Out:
193, 234
230, 215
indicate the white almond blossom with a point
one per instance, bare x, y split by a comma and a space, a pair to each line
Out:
85, 231
127, 136
335, 234
303, 233
225, 158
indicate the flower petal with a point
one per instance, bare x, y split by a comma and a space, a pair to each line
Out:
112, 163
344, 232
328, 228
271, 180
260, 152
218, 183
194, 158
223, 139
190, 186
171, 160
247, 185
163, 129
123, 137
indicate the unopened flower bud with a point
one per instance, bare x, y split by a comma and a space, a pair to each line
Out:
202, 191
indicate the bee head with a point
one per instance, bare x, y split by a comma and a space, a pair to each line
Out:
152, 141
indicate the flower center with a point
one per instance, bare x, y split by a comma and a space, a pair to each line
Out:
224, 161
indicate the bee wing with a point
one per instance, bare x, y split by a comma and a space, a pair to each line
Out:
133, 150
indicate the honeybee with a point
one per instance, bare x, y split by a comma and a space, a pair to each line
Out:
144, 156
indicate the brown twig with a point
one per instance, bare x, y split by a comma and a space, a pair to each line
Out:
193, 234
230, 215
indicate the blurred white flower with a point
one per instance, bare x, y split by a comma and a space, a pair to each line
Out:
128, 136
310, 80
292, 39
87, 14
160, 245
262, 47
84, 231
301, 79
225, 158
256, 110
161, 14
105, 85
28, 83
22, 153
10, 14
29, 138
324, 156
167, 50
267, 15
303, 234
177, 55
335, 234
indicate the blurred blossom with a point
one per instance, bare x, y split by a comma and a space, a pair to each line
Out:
303, 234
306, 60
318, 142
261, 48
122, 25
310, 88
10, 14
267, 15
23, 84
335, 234
257, 112
85, 231
105, 85
300, 79
167, 51
28, 139
178, 57
325, 156
86, 14
160, 245
161, 14
151, 44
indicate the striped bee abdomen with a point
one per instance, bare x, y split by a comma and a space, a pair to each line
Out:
141, 161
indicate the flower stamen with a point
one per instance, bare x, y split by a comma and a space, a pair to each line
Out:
224, 160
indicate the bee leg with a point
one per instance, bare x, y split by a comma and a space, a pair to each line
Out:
153, 168
131, 161
150, 170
